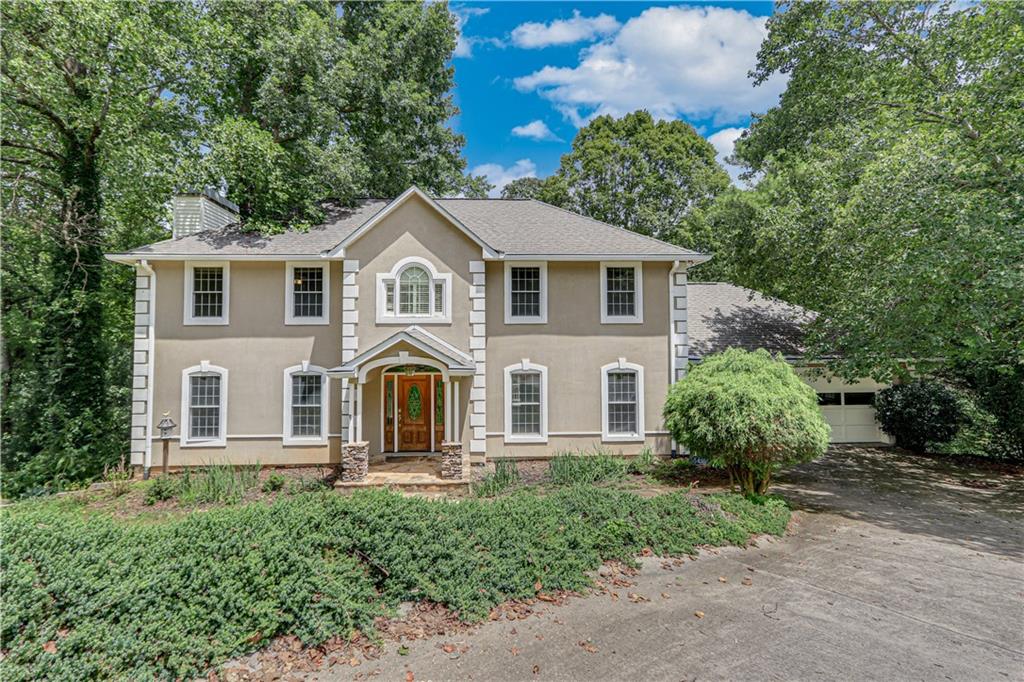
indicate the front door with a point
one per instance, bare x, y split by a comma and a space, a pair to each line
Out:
414, 413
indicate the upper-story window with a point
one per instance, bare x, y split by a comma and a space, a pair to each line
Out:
526, 293
204, 405
414, 292
622, 293
308, 293
207, 285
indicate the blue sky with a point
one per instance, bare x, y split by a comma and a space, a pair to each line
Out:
529, 74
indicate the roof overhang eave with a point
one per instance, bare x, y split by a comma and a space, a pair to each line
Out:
692, 259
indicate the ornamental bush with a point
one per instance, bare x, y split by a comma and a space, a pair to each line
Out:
748, 413
919, 413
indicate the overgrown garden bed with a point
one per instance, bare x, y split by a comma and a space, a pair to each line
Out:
90, 595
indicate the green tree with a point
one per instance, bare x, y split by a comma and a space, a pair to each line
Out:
86, 87
644, 175
307, 101
891, 191
748, 413
523, 188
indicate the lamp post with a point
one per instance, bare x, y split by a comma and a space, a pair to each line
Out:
166, 425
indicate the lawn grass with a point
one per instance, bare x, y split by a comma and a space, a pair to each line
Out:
87, 595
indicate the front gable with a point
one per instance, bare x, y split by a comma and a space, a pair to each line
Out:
410, 194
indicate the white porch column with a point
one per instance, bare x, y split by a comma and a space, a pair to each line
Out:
448, 410
456, 424
359, 412
351, 411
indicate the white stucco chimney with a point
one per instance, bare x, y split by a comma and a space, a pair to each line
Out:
198, 211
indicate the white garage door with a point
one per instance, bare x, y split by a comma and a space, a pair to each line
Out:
851, 416
847, 408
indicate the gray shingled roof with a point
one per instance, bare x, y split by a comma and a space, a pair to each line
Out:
231, 241
721, 316
513, 227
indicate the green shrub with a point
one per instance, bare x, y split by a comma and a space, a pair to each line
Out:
748, 413
571, 468
160, 489
505, 477
919, 413
678, 471
168, 599
118, 477
642, 464
274, 482
218, 483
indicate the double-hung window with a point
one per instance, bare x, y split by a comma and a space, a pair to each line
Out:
204, 396
622, 398
622, 298
305, 405
206, 292
414, 293
308, 293
526, 296
526, 403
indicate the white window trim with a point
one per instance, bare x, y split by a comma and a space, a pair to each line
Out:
639, 436
385, 278
305, 368
190, 267
538, 319
638, 276
526, 366
185, 441
289, 293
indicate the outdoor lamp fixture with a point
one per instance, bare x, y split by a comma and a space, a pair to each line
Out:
166, 425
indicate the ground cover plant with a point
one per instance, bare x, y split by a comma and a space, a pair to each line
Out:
87, 595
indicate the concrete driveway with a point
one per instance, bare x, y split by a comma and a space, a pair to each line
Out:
895, 569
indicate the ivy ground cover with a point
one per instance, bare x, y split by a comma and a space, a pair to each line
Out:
92, 596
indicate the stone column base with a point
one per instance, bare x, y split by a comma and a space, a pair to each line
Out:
452, 468
355, 459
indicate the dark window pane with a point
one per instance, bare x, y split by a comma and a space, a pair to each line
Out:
308, 296
621, 290
622, 402
526, 403
208, 292
828, 399
306, 405
204, 406
525, 292
859, 398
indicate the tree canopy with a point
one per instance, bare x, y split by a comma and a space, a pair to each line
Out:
890, 193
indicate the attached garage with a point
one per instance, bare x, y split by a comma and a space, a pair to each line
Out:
721, 315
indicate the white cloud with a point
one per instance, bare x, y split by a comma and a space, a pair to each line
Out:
563, 31
723, 141
535, 130
499, 175
464, 44
672, 61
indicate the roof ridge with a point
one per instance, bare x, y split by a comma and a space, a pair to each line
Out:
616, 227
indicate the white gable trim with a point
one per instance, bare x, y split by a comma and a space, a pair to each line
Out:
339, 250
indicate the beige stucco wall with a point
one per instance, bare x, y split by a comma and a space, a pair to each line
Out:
255, 348
413, 229
574, 345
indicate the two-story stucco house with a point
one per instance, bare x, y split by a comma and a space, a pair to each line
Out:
475, 328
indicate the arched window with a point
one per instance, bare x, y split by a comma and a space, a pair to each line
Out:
526, 403
204, 405
305, 405
622, 401
414, 292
